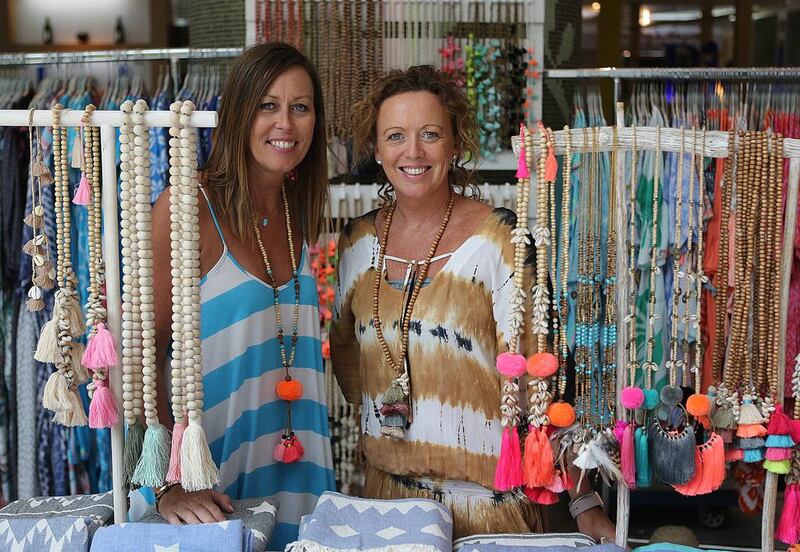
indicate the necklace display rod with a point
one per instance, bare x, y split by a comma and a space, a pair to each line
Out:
108, 121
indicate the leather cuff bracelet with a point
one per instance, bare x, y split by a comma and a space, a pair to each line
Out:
584, 502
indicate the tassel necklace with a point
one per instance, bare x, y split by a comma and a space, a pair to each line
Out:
151, 469
290, 449
100, 353
57, 343
132, 381
396, 409
511, 364
197, 468
42, 271
538, 469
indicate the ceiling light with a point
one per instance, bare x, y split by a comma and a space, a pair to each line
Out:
596, 6
645, 17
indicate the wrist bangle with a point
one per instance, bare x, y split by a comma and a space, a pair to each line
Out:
584, 502
162, 490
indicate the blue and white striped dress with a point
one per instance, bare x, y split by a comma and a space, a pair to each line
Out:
243, 417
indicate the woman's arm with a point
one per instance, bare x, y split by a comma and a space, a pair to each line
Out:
345, 348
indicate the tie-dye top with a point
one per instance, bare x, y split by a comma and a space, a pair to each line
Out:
459, 324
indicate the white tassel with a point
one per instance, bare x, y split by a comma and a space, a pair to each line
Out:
47, 350
198, 471
79, 372
55, 396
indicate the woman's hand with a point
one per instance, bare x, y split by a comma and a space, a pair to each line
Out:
178, 506
595, 523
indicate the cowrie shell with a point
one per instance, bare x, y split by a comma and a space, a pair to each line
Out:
38, 259
35, 292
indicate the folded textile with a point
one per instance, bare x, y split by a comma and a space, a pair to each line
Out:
341, 523
99, 507
669, 547
516, 542
53, 534
226, 536
257, 514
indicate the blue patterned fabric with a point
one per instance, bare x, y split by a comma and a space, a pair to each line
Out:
555, 542
227, 536
58, 534
341, 522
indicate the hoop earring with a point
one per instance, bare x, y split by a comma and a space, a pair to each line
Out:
291, 176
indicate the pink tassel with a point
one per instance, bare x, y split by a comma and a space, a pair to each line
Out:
508, 473
294, 451
779, 423
174, 470
102, 409
628, 458
280, 450
82, 194
100, 350
779, 454
795, 432
540, 495
522, 164
619, 430
789, 524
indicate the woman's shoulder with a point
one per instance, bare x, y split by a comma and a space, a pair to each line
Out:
357, 229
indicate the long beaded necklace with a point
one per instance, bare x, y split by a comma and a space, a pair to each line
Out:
57, 341
290, 449
197, 468
132, 380
100, 354
721, 296
610, 294
396, 409
650, 367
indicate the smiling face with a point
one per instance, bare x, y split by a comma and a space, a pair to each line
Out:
283, 127
415, 143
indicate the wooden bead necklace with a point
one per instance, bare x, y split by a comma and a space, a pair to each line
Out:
197, 468
132, 381
721, 278
57, 341
396, 410
290, 448
563, 308
100, 353
151, 470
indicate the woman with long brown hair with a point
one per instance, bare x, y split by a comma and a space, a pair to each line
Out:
264, 188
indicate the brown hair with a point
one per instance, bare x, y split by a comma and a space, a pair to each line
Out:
421, 78
225, 173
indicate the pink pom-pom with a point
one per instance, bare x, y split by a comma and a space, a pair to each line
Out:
102, 409
779, 423
508, 473
511, 365
632, 397
174, 470
789, 525
542, 365
82, 194
100, 350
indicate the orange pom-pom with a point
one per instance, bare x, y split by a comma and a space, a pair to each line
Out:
698, 405
289, 390
542, 365
561, 414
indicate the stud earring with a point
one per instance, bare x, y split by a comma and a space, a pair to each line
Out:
379, 162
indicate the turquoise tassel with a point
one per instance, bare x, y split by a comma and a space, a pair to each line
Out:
153, 464
780, 441
644, 474
753, 455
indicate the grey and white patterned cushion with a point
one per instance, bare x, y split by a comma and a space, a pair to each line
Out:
54, 534
99, 507
545, 542
257, 514
340, 523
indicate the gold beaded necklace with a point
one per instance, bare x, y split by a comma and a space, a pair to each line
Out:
396, 410
289, 449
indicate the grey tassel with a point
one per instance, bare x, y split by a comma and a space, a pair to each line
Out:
672, 456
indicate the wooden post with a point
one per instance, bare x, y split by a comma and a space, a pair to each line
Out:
771, 484
623, 493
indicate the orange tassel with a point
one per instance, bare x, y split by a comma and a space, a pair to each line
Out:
690, 487
713, 455
751, 430
538, 467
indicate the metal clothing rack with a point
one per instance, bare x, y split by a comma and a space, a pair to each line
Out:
714, 145
108, 121
674, 73
174, 55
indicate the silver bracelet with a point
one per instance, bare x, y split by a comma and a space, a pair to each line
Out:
584, 502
